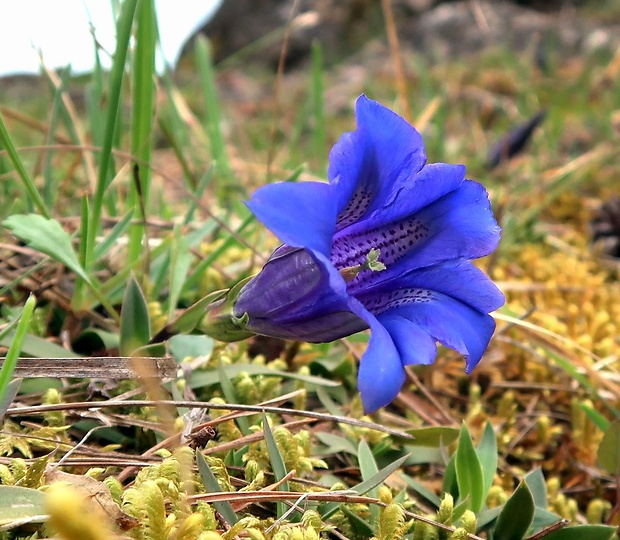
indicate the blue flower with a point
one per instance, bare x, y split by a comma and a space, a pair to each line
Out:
385, 245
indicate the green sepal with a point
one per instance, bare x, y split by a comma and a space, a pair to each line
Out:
219, 320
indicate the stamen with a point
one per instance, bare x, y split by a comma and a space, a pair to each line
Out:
371, 263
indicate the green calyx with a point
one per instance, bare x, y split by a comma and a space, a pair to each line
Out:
219, 320
371, 263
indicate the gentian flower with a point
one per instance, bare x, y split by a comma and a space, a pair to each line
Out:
385, 245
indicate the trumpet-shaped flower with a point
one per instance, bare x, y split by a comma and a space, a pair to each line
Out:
385, 245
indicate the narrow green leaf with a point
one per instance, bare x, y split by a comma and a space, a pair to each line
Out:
123, 35
135, 325
224, 508
609, 449
180, 262
433, 437
487, 454
275, 457
143, 91
450, 484
336, 443
360, 528
516, 517
119, 229
7, 397
39, 347
584, 532
6, 142
199, 379
536, 482
364, 487
277, 461
368, 469
469, 474
231, 396
421, 490
596, 417
206, 72
12, 355
187, 321
217, 253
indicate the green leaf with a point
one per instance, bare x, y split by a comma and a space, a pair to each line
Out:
421, 490
8, 395
609, 449
93, 340
20, 505
581, 532
188, 319
469, 474
183, 346
113, 99
364, 487
516, 517
6, 142
277, 461
208, 479
108, 241
39, 347
368, 469
543, 518
450, 484
434, 437
180, 262
231, 396
336, 443
596, 417
48, 237
487, 454
536, 482
360, 527
12, 355
135, 325
206, 378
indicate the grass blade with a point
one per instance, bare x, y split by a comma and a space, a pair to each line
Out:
12, 355
206, 73
277, 461
208, 479
123, 36
35, 197
143, 95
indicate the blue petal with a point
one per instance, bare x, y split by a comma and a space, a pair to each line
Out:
461, 225
434, 181
398, 148
381, 374
458, 279
300, 215
414, 345
348, 167
375, 161
453, 324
